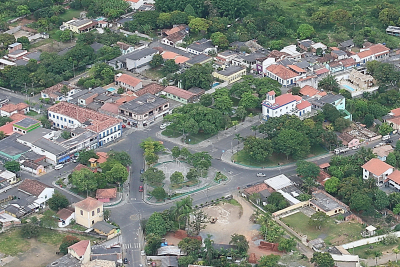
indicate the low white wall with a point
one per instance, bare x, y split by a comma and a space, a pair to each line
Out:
367, 241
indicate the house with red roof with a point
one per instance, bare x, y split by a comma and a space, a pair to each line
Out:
10, 109
81, 251
66, 115
65, 216
373, 52
284, 75
284, 104
377, 169
128, 82
309, 91
393, 180
180, 95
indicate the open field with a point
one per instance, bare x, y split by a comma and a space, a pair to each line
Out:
332, 233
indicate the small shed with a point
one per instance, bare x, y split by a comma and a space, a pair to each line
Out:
369, 231
106, 195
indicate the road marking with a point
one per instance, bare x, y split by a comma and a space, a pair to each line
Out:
131, 245
134, 217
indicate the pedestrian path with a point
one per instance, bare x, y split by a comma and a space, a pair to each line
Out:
131, 246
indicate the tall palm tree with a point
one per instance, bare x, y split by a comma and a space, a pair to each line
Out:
238, 138
254, 128
183, 209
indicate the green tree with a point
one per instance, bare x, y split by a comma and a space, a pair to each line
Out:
66, 36
369, 120
176, 152
206, 100
258, 149
219, 39
190, 246
30, 230
391, 159
396, 209
12, 166
185, 153
249, 100
67, 241
155, 225
223, 104
159, 193
385, 129
169, 66
85, 155
381, 200
318, 219
177, 178
360, 201
307, 169
198, 76
58, 201
66, 135
269, 261
329, 83
240, 242
190, 10
199, 24
331, 185
241, 113
340, 124
106, 214
153, 243
153, 176
277, 200
84, 180
48, 220
120, 156
340, 17
305, 31
330, 112
45, 122
23, 10
118, 174
192, 174
323, 259
292, 143
287, 244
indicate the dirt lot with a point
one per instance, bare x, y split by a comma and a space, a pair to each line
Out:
38, 255
231, 219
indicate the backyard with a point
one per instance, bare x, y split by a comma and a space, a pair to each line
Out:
32, 252
332, 233
368, 251
242, 157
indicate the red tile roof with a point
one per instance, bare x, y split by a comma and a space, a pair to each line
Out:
106, 193
321, 71
64, 214
18, 117
80, 247
379, 49
323, 177
282, 72
256, 188
32, 187
271, 92
12, 107
123, 45
308, 91
296, 69
152, 88
110, 107
102, 157
304, 104
286, 98
89, 204
169, 55
324, 165
99, 122
129, 80
80, 167
396, 112
7, 128
348, 62
376, 166
173, 90
55, 88
364, 54
124, 99
181, 59
175, 29
395, 176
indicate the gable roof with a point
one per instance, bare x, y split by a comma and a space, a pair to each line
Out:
10, 107
129, 80
88, 204
303, 104
32, 187
308, 91
152, 88
396, 112
282, 72
395, 176
256, 188
376, 166
64, 213
173, 90
106, 193
80, 247
286, 98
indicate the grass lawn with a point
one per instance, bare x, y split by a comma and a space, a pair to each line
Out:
41, 42
55, 238
243, 158
69, 14
171, 133
11, 243
367, 251
331, 233
32, 113
188, 183
154, 74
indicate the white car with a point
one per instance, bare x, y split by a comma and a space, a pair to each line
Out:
260, 174
59, 166
164, 125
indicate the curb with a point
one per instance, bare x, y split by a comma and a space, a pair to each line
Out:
65, 190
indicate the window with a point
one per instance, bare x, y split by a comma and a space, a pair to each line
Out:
92, 212
57, 117
81, 212
65, 119
98, 210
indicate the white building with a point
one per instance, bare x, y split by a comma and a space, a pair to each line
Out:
134, 60
283, 75
292, 51
202, 46
66, 115
128, 82
377, 169
35, 188
285, 104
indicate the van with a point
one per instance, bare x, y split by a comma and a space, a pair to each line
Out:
385, 137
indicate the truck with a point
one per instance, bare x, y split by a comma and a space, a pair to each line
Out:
341, 150
385, 137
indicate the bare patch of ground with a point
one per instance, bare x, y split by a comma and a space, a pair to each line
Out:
52, 46
40, 254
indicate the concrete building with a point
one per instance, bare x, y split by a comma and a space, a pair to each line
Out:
180, 95
9, 109
203, 46
88, 212
35, 188
80, 251
136, 59
10, 177
322, 201
144, 109
377, 169
26, 125
284, 104
65, 217
230, 74
128, 82
54, 92
10, 149
283, 75
79, 25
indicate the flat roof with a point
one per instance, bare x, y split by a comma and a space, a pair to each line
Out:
278, 182
11, 147
326, 202
230, 70
198, 59
27, 122
141, 104
34, 135
49, 146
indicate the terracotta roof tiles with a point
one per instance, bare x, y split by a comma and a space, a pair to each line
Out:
129, 80
395, 176
178, 92
32, 187
64, 214
106, 193
80, 247
308, 91
376, 166
282, 72
152, 88
14, 107
89, 204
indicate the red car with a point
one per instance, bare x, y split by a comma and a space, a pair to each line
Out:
141, 188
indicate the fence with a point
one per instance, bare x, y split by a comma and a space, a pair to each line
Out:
367, 241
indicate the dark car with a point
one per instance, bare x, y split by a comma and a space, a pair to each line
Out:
141, 171
141, 179
141, 188
389, 141
125, 260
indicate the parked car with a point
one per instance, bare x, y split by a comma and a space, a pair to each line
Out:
59, 166
164, 125
389, 141
260, 174
141, 171
141, 188
141, 179
125, 260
